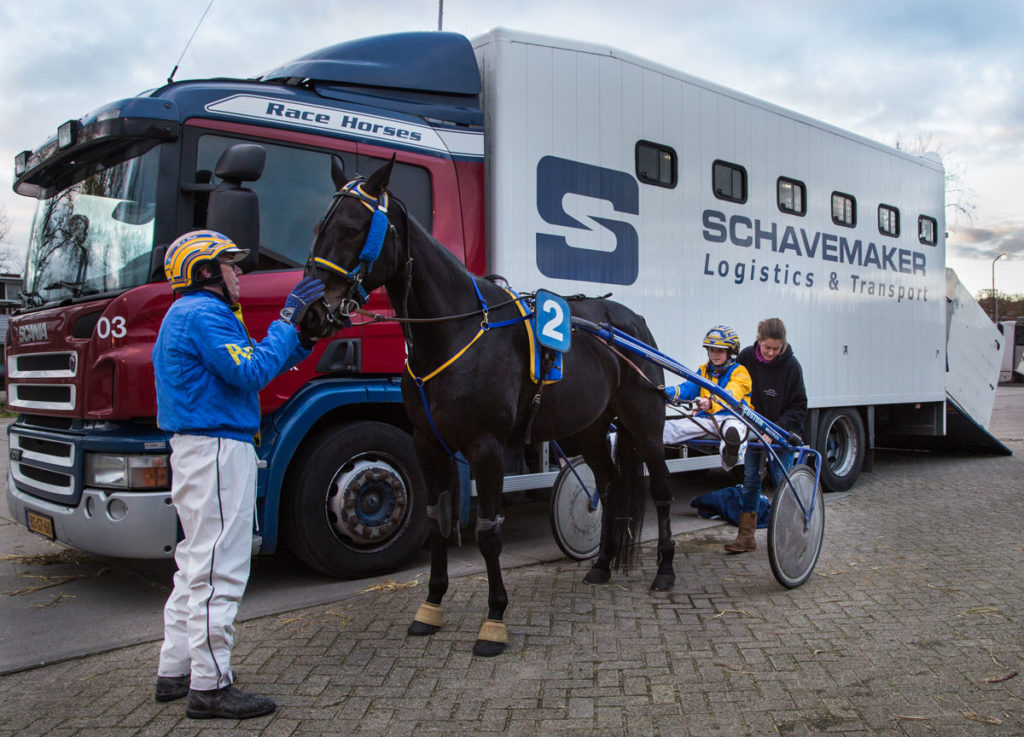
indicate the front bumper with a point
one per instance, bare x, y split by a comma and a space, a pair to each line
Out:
120, 524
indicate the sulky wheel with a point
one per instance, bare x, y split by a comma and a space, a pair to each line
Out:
576, 527
794, 542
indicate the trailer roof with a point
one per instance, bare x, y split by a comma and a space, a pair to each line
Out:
507, 35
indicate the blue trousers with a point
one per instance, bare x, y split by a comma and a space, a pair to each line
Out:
752, 475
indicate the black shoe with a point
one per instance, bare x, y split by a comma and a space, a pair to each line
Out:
227, 703
731, 452
170, 688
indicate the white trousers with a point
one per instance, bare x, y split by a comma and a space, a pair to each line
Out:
687, 428
213, 488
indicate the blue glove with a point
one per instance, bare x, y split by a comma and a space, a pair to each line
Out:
301, 297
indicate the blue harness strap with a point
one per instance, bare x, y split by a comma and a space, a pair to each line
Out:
485, 325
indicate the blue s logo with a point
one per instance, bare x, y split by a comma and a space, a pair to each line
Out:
559, 260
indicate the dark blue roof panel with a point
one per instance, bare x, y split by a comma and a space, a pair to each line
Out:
434, 62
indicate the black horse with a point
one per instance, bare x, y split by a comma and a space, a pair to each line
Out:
478, 401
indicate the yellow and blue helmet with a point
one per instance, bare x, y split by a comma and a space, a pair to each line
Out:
723, 336
192, 250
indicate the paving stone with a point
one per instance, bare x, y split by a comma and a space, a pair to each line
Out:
911, 625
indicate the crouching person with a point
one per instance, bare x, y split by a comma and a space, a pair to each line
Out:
780, 396
208, 376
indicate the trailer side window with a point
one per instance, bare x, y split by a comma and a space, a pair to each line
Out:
729, 181
844, 209
792, 196
656, 164
888, 220
927, 229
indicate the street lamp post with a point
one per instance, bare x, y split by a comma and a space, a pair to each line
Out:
995, 300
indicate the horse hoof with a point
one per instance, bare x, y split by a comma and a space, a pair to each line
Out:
488, 648
428, 620
598, 575
419, 629
663, 582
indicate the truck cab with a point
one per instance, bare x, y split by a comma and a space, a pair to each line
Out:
89, 466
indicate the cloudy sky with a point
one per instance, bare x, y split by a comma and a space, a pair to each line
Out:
946, 72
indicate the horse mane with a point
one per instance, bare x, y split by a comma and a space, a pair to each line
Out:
413, 223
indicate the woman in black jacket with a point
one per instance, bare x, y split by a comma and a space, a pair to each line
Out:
778, 395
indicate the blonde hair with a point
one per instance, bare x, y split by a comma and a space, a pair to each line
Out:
772, 328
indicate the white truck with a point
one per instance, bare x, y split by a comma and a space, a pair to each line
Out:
697, 205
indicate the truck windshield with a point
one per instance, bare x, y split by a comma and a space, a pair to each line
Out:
95, 236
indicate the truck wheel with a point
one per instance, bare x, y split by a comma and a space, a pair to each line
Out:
355, 503
842, 443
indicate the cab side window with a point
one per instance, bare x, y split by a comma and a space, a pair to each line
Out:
296, 189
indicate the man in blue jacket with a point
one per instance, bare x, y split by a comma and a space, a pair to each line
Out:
208, 376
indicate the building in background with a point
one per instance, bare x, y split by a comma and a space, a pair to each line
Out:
10, 288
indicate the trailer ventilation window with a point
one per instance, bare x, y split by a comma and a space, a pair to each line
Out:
927, 230
844, 209
655, 164
729, 181
888, 220
792, 196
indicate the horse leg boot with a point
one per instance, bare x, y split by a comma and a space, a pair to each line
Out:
429, 616
665, 578
493, 634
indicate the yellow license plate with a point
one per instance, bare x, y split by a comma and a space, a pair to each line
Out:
41, 524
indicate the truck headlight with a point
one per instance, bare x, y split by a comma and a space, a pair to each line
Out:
112, 471
67, 134
21, 163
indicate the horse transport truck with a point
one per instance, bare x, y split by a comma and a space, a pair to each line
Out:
563, 165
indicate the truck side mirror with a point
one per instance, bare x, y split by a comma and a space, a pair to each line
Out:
234, 210
156, 262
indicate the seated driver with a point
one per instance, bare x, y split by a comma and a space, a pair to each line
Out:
712, 417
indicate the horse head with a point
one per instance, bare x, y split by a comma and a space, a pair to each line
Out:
347, 248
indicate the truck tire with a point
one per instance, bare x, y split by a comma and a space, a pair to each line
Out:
355, 501
842, 443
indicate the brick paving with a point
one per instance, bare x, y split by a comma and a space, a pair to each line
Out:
913, 624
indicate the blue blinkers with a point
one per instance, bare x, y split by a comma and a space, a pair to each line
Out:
379, 225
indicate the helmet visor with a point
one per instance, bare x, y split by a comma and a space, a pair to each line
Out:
232, 255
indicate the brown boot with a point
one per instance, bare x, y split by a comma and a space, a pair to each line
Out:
744, 542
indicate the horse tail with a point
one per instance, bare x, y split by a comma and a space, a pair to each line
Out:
626, 502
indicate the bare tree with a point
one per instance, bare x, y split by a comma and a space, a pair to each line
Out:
960, 199
8, 259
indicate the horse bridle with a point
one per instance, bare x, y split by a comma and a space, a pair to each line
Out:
380, 226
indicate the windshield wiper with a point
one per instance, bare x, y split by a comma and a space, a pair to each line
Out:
31, 299
77, 288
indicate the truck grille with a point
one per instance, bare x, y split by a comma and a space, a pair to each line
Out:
25, 370
42, 465
41, 396
62, 365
